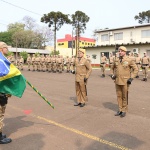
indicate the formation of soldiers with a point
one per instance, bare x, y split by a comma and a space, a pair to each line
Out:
42, 63
141, 62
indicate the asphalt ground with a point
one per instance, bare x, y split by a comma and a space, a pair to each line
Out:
34, 125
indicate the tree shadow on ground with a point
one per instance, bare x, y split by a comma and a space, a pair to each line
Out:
124, 140
111, 106
28, 142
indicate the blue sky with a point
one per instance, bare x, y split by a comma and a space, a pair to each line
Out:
102, 13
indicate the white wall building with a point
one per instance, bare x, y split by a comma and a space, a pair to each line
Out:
135, 38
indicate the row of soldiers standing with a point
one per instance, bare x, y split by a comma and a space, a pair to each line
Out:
50, 63
141, 62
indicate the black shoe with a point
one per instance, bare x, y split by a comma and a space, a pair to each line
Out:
82, 105
123, 114
3, 136
5, 140
102, 76
137, 76
143, 79
118, 113
77, 104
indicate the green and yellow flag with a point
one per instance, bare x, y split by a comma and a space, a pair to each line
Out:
11, 80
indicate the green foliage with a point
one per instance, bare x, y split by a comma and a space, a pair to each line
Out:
94, 56
55, 53
37, 54
15, 27
10, 53
143, 17
79, 20
6, 37
24, 54
55, 20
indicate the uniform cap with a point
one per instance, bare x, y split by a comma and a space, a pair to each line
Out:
81, 50
122, 48
2, 45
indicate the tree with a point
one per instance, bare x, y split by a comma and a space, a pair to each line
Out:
143, 17
45, 35
6, 37
79, 20
55, 53
29, 23
24, 54
55, 20
15, 27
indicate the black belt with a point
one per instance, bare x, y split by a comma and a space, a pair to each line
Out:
110, 63
137, 63
102, 63
144, 64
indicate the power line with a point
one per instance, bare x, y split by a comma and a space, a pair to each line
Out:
21, 8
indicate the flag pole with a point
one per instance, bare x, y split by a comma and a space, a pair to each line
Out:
39, 93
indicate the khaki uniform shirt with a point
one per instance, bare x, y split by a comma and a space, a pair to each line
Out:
138, 60
103, 59
145, 60
33, 59
29, 59
111, 59
59, 60
83, 69
21, 60
122, 70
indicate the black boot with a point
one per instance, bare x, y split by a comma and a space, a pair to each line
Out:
2, 135
4, 140
102, 76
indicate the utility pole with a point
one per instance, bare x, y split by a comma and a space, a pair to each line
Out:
72, 42
16, 52
76, 42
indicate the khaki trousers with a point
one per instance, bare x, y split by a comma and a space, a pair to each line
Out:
139, 66
81, 92
122, 97
103, 66
145, 71
2, 111
29, 64
111, 69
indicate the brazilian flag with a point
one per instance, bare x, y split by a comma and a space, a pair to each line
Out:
11, 80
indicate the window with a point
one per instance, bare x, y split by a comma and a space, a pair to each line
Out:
145, 33
104, 37
118, 36
60, 44
105, 54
